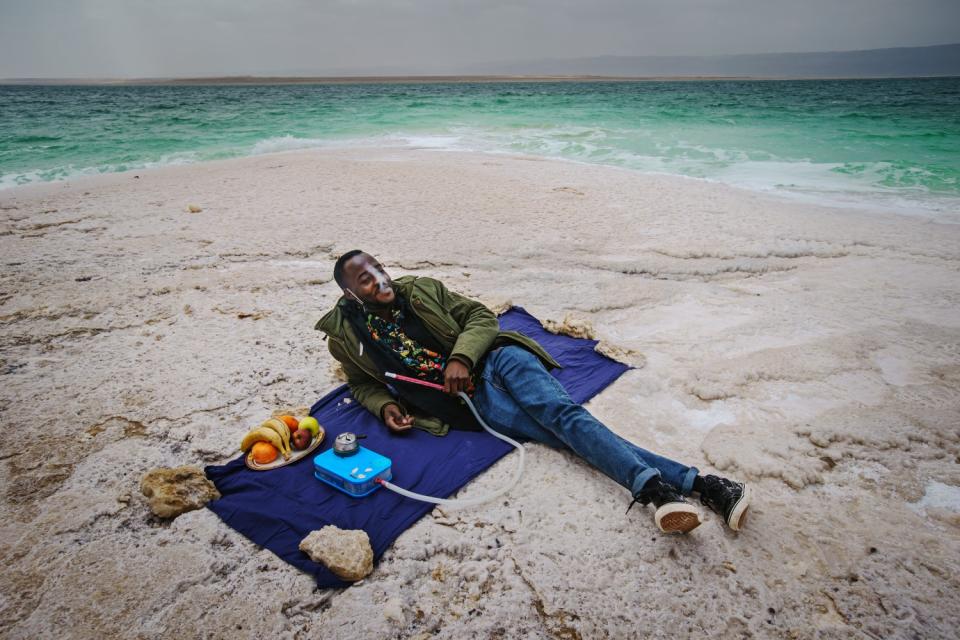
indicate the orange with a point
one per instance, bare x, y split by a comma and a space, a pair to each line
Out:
291, 422
264, 453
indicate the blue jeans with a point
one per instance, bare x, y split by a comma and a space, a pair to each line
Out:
519, 398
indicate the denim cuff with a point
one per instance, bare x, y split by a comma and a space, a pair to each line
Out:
643, 478
687, 487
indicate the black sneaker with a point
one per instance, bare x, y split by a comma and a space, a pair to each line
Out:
673, 514
727, 498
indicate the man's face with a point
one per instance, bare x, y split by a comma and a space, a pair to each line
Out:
367, 279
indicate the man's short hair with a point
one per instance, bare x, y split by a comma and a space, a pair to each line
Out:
338, 267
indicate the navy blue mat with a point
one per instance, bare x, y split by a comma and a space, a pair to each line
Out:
277, 509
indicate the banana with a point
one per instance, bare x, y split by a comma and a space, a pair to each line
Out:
261, 434
282, 430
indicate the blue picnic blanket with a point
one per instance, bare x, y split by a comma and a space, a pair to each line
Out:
277, 509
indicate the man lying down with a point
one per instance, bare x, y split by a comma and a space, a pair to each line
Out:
416, 327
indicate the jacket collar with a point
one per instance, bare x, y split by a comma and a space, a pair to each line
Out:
334, 321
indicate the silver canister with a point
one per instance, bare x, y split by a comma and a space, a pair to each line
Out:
346, 444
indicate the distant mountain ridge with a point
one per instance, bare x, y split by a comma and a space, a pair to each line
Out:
937, 60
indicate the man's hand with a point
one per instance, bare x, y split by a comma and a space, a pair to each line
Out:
395, 419
456, 377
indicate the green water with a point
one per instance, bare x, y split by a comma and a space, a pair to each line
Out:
879, 143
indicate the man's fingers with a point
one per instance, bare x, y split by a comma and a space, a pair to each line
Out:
396, 419
400, 424
454, 383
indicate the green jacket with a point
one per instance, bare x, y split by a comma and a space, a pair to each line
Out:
465, 328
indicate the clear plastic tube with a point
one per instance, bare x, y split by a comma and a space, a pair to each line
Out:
468, 502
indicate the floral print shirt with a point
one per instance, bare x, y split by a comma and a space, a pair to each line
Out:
420, 361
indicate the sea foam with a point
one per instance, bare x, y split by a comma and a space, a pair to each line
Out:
287, 143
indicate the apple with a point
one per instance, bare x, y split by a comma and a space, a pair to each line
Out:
301, 439
310, 423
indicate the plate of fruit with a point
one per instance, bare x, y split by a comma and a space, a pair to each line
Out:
281, 441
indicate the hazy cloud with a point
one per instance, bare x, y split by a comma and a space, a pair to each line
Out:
126, 38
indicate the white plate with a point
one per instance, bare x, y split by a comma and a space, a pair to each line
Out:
280, 462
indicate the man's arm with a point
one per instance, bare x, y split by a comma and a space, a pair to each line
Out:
480, 326
368, 391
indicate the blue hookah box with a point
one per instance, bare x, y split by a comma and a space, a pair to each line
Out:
355, 475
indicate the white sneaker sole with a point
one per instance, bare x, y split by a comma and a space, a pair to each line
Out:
739, 514
677, 517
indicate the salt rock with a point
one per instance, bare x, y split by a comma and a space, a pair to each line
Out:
346, 552
620, 354
571, 326
393, 610
178, 490
497, 305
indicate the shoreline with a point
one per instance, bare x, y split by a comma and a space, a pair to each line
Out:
785, 196
809, 351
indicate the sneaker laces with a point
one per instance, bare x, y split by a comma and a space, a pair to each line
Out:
646, 494
637, 498
715, 488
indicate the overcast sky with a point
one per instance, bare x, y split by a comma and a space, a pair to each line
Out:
163, 38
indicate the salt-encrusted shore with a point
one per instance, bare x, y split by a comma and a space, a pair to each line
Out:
814, 352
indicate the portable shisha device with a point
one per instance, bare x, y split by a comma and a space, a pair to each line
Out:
351, 468
358, 471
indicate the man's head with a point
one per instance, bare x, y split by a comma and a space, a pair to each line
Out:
363, 279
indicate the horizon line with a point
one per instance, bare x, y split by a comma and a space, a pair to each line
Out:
433, 78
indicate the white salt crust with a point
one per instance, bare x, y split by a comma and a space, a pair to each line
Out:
811, 352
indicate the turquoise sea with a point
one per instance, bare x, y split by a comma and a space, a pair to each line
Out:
891, 144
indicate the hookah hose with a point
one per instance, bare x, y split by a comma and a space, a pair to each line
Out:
466, 502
